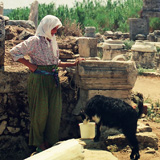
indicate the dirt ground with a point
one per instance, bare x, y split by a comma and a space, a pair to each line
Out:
150, 88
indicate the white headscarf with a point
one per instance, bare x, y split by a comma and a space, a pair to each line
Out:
44, 29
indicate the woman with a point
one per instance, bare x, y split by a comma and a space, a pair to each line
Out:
44, 92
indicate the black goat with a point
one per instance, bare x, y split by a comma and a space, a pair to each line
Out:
114, 112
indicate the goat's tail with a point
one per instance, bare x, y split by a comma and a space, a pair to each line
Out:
139, 102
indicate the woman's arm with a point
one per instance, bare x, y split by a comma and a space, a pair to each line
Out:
31, 66
69, 64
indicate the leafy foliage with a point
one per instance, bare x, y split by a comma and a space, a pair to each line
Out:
102, 14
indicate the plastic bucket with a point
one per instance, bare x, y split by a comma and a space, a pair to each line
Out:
87, 131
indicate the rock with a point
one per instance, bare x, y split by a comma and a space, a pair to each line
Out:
150, 150
90, 144
33, 16
22, 23
98, 155
13, 130
90, 31
140, 37
141, 46
25, 35
143, 128
3, 126
145, 139
108, 33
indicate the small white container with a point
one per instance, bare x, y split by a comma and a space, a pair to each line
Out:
87, 130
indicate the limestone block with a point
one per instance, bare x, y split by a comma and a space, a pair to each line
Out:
111, 54
87, 47
67, 150
98, 74
109, 46
141, 46
98, 155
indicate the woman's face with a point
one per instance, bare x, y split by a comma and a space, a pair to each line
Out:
54, 30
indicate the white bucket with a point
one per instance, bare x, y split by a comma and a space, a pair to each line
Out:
87, 130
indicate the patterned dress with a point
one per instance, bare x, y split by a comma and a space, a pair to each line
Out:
45, 102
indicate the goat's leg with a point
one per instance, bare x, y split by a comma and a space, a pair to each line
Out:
131, 136
98, 132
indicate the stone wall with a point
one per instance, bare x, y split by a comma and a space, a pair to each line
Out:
2, 41
14, 110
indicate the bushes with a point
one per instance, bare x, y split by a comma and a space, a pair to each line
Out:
102, 14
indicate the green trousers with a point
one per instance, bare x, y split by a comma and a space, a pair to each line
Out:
45, 105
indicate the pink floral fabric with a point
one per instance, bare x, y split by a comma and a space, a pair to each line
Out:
37, 48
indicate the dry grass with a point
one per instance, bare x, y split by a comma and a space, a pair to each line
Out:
71, 29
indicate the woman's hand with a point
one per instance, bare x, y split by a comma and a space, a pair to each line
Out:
78, 60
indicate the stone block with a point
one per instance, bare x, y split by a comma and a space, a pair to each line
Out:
87, 47
98, 74
111, 54
138, 26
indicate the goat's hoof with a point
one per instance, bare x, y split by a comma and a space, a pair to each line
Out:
96, 139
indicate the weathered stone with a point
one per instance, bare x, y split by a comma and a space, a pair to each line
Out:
33, 16
2, 41
98, 74
151, 8
98, 155
119, 58
1, 8
143, 128
145, 139
140, 37
138, 26
90, 32
3, 117
141, 46
13, 144
111, 54
87, 47
13, 79
22, 23
108, 33
150, 150
13, 130
25, 35
112, 48
3, 126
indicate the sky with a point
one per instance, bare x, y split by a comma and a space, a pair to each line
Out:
12, 4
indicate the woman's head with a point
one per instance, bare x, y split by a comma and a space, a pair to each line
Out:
48, 23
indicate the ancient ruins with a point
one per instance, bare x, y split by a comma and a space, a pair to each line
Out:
113, 74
